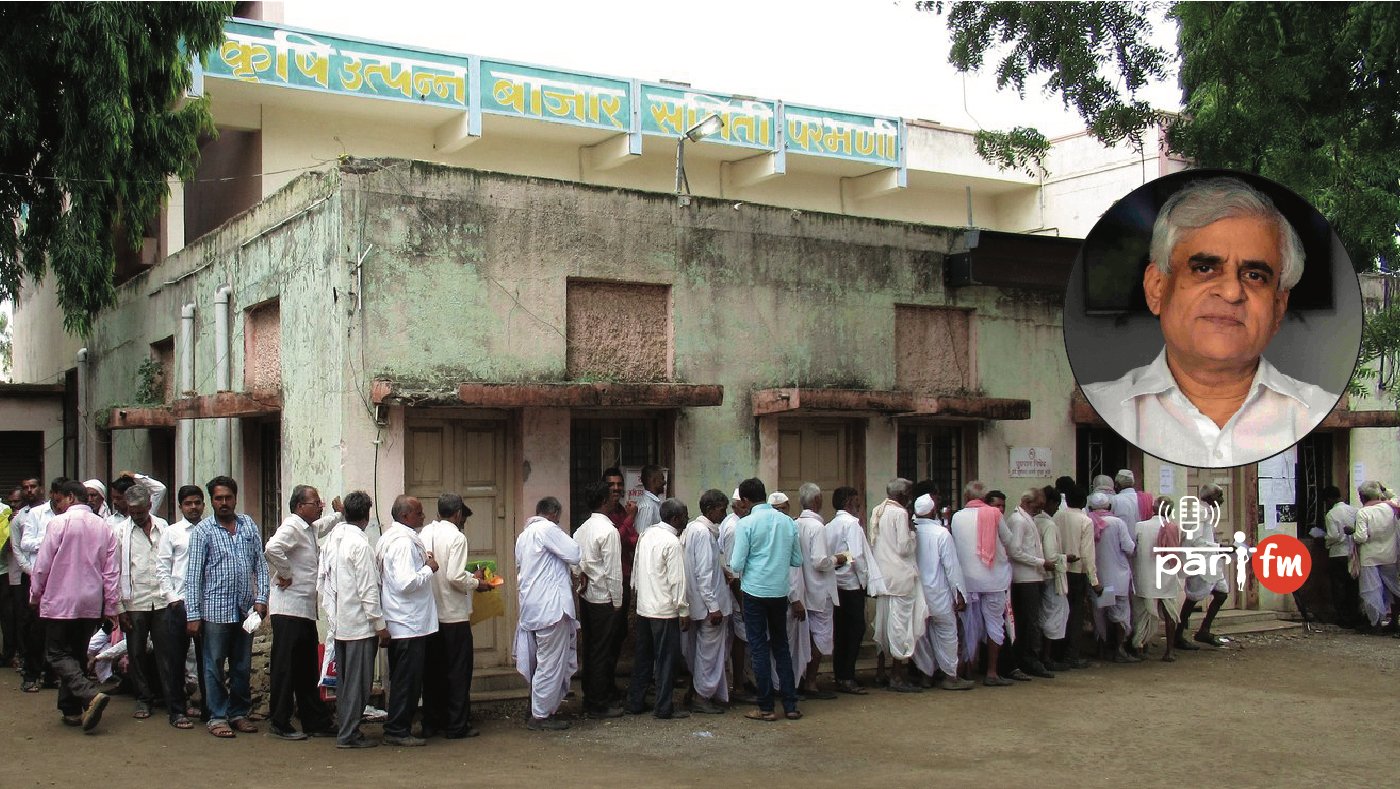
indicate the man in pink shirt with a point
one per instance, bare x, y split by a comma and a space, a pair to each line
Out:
75, 586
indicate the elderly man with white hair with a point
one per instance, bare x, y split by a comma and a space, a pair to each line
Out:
1375, 535
1114, 548
1154, 595
818, 573
944, 592
1224, 260
981, 535
899, 612
1029, 569
1212, 584
739, 667
1130, 504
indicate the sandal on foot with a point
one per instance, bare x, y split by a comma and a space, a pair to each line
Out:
222, 731
181, 722
760, 715
143, 711
795, 715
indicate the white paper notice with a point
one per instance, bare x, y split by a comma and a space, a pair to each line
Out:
1166, 481
1270, 517
1358, 473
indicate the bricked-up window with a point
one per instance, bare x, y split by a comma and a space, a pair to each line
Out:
164, 354
262, 348
933, 349
619, 331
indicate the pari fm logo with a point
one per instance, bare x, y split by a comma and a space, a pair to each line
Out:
1280, 562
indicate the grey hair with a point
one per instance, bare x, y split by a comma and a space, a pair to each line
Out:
1210, 200
1370, 490
1099, 500
549, 506
1030, 495
138, 495
1210, 490
1124, 478
1103, 482
974, 490
670, 508
808, 494
899, 487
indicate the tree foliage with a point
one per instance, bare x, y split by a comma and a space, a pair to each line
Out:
90, 129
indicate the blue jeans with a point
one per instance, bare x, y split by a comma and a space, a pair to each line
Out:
765, 623
227, 642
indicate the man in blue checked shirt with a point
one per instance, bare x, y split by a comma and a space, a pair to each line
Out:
226, 578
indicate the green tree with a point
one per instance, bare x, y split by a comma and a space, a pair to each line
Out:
91, 125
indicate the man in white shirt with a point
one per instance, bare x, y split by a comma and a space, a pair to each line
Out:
600, 568
819, 595
943, 588
545, 650
1377, 554
740, 667
117, 511
1198, 587
1076, 539
899, 612
1154, 597
662, 612
410, 614
292, 557
1029, 569
25, 548
649, 507
30, 495
981, 535
1223, 262
1114, 547
447, 667
348, 583
1346, 603
143, 609
856, 577
1127, 500
706, 643
172, 559
1054, 600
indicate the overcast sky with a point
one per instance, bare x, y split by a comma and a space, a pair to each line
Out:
872, 56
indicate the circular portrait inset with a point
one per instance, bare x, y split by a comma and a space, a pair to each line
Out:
1213, 318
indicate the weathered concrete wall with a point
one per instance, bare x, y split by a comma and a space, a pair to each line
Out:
44, 414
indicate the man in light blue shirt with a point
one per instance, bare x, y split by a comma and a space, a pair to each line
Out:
765, 547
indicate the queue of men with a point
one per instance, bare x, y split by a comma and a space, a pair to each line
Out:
743, 601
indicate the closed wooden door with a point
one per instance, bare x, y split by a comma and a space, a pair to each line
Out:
815, 451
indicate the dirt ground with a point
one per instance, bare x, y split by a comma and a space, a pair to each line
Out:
1275, 710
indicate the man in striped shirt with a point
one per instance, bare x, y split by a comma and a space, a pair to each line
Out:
225, 580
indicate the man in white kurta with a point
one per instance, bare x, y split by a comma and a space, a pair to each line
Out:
818, 586
1213, 583
406, 597
1377, 553
1128, 501
899, 612
447, 680
600, 565
738, 659
706, 644
1054, 601
1029, 570
663, 610
1346, 602
545, 650
1081, 573
943, 588
1114, 553
1154, 594
981, 535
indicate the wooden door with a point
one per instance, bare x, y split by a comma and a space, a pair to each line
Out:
815, 451
469, 458
1233, 517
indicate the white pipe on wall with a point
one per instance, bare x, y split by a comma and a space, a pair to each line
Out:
222, 372
184, 445
84, 459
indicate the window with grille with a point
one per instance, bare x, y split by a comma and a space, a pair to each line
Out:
599, 444
934, 452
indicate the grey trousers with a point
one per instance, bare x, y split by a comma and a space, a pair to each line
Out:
354, 670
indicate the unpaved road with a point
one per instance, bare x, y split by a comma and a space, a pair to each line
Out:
1297, 710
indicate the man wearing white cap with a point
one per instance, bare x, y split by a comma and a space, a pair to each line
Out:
1132, 506
899, 612
819, 584
97, 498
943, 588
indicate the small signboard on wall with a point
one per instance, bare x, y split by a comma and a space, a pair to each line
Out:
1031, 462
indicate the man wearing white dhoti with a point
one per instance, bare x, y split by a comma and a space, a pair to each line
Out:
706, 644
1114, 553
819, 595
981, 535
899, 612
1154, 596
943, 588
1376, 552
546, 653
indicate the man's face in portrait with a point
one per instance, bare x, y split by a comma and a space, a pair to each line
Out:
1221, 305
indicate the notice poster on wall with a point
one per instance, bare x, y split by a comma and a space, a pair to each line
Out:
1030, 462
632, 489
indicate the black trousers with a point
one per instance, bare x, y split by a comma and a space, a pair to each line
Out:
619, 635
32, 639
599, 622
447, 680
9, 625
1346, 597
1068, 648
848, 628
658, 642
1025, 606
65, 645
177, 647
405, 683
295, 674
144, 661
